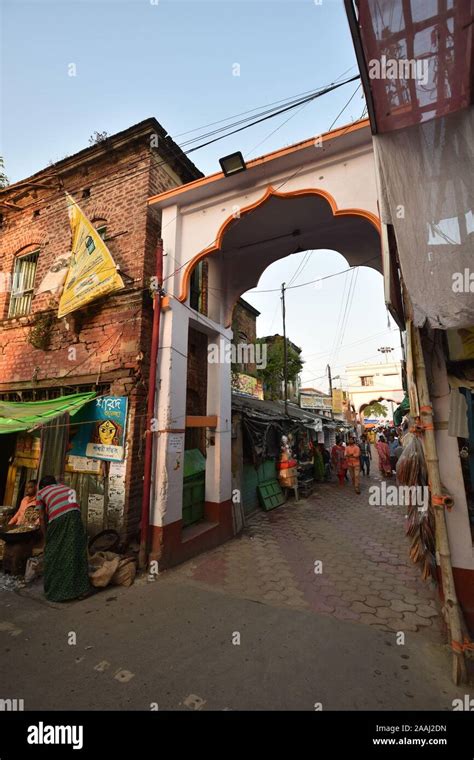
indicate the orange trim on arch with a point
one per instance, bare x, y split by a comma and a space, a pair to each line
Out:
269, 193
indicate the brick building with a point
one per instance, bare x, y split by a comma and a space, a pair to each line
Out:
103, 347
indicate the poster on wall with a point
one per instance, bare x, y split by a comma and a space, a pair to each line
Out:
92, 272
27, 451
99, 429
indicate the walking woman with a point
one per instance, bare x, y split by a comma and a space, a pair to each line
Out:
65, 555
384, 457
338, 461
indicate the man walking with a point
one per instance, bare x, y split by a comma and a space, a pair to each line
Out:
352, 455
365, 455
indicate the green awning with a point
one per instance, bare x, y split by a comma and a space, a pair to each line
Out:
26, 415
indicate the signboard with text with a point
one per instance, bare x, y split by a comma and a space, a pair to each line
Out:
311, 401
101, 426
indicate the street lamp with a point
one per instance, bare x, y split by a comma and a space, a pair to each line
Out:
232, 164
386, 350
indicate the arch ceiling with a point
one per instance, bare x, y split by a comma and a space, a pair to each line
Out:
281, 224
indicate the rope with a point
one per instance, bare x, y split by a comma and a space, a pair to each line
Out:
465, 646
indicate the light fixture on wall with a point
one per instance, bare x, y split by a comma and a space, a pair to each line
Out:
232, 164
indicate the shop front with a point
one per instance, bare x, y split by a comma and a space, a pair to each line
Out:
273, 449
80, 439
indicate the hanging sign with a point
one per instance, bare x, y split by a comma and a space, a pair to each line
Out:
337, 400
99, 429
92, 271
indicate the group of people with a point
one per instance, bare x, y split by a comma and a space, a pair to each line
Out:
54, 508
349, 460
389, 450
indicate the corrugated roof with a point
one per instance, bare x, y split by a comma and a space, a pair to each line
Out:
272, 409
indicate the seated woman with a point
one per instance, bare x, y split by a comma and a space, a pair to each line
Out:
21, 517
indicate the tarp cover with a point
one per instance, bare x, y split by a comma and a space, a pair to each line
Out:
401, 411
26, 415
418, 56
426, 191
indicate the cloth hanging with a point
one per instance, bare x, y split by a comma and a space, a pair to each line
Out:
54, 439
457, 421
426, 187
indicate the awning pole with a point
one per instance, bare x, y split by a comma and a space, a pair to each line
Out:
451, 604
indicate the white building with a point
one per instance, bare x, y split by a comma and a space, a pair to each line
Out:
375, 381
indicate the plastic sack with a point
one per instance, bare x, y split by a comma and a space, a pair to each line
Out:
102, 566
411, 467
34, 569
125, 573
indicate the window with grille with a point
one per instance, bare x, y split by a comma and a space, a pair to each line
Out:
23, 284
367, 380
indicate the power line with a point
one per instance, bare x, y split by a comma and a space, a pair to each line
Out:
252, 110
339, 316
319, 279
309, 98
343, 109
114, 179
300, 267
349, 345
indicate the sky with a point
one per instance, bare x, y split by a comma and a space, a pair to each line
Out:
177, 60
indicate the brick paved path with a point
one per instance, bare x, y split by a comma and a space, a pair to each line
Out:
366, 576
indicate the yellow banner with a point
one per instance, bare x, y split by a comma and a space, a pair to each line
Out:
92, 271
337, 398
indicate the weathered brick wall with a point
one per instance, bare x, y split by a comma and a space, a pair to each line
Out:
197, 373
244, 326
110, 339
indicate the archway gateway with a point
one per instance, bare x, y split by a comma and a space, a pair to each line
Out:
320, 193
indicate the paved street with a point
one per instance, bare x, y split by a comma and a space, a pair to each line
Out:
306, 638
365, 578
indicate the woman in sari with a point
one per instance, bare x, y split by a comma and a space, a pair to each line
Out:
338, 460
318, 464
383, 451
66, 573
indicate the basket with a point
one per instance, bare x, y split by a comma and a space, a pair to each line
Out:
11, 537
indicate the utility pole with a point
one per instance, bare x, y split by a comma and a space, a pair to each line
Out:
285, 349
328, 368
387, 350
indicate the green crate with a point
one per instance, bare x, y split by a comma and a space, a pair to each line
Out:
193, 500
267, 471
194, 464
270, 495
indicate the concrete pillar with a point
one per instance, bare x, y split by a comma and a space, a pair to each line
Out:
170, 417
171, 235
218, 466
